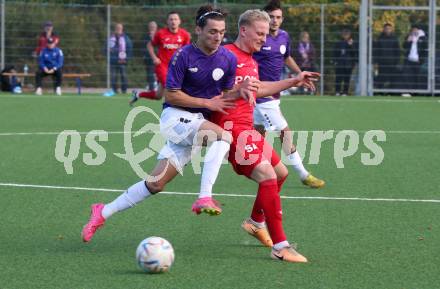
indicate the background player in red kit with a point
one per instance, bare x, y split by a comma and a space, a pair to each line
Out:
250, 154
167, 40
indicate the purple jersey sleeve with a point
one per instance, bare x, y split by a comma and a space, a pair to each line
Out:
229, 80
288, 46
176, 71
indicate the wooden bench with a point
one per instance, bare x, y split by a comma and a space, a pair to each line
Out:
77, 76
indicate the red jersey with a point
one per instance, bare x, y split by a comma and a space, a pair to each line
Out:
168, 42
248, 148
243, 113
42, 42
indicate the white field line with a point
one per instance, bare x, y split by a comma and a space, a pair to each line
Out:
224, 195
284, 98
372, 100
58, 97
48, 133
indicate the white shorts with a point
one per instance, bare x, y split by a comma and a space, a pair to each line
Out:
270, 116
179, 127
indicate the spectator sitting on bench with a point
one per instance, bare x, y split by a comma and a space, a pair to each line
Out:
10, 83
50, 62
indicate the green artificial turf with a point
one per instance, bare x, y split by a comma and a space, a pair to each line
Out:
359, 241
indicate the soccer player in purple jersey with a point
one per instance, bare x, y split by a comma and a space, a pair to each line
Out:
199, 77
267, 114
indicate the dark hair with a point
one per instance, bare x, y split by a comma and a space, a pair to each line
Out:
171, 13
272, 6
387, 24
209, 12
415, 25
346, 30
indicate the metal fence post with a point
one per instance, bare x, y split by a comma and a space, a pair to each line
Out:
2, 35
431, 42
363, 50
370, 77
107, 40
321, 85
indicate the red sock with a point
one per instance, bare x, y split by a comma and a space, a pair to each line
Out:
280, 183
257, 212
270, 202
147, 94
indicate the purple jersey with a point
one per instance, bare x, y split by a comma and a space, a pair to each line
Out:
271, 59
201, 75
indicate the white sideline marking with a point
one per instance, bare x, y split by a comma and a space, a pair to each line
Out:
283, 98
57, 97
55, 133
132, 132
223, 195
354, 99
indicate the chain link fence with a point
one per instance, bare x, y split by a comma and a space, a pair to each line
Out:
84, 30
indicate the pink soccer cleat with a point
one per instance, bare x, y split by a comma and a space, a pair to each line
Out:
207, 205
96, 221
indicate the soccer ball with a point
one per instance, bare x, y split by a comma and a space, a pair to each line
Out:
155, 255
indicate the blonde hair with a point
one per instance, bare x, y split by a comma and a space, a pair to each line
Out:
250, 16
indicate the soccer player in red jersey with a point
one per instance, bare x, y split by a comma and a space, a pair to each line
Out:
250, 155
168, 40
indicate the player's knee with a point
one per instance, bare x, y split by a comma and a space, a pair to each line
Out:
227, 137
155, 187
282, 172
264, 172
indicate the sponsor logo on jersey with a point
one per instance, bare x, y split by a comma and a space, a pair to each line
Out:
266, 47
171, 46
193, 69
283, 49
239, 78
217, 74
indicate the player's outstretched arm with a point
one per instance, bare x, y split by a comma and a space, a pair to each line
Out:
304, 78
179, 98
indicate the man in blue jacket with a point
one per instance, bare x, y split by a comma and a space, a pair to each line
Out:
50, 62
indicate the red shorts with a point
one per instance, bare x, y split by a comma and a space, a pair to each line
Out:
248, 149
161, 74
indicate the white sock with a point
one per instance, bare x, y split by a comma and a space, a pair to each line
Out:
132, 196
213, 161
297, 164
281, 245
257, 224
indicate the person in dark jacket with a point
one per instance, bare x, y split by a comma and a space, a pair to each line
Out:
50, 62
10, 83
386, 55
344, 58
416, 56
